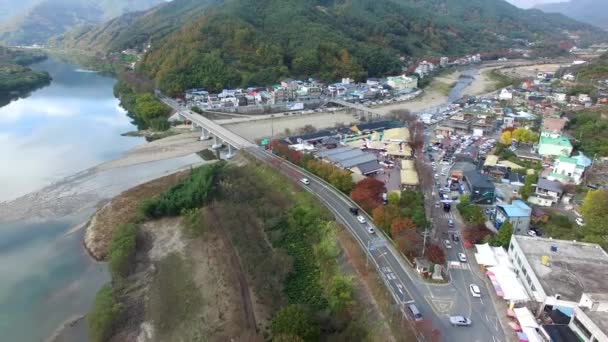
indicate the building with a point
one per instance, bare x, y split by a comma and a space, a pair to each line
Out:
481, 189
402, 83
567, 170
517, 213
554, 145
505, 95
590, 319
443, 62
548, 192
554, 125
556, 273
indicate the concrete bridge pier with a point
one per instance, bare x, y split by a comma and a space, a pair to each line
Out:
205, 134
193, 127
217, 143
231, 152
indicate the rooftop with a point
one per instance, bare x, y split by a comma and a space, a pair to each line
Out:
574, 268
478, 180
560, 141
546, 184
569, 160
517, 208
600, 318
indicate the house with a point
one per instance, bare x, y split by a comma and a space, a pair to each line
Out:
567, 170
548, 192
402, 83
505, 95
569, 77
460, 123
554, 125
444, 131
554, 145
518, 213
481, 189
590, 324
443, 62
562, 274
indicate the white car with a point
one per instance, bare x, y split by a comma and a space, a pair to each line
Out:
531, 233
305, 181
361, 219
580, 221
436, 176
462, 257
475, 291
447, 244
460, 320
370, 229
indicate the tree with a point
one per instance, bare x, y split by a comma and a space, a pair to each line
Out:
503, 237
368, 193
384, 216
400, 225
393, 198
476, 233
340, 293
595, 214
528, 189
410, 243
295, 320
435, 254
506, 138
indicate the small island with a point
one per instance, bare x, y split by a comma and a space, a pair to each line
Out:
16, 79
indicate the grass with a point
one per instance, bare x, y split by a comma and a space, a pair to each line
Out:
175, 301
122, 250
443, 87
104, 315
499, 80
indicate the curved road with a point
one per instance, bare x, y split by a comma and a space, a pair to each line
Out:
436, 302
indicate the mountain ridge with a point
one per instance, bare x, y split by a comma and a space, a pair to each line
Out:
594, 12
247, 42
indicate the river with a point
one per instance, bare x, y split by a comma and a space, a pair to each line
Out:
46, 276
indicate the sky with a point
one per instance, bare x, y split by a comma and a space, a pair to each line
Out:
532, 3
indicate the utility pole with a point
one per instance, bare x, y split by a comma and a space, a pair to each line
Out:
424, 235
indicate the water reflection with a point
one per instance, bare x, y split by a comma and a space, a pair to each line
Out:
66, 127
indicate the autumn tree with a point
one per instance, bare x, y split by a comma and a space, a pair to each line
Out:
384, 216
368, 193
400, 225
410, 243
475, 233
435, 254
503, 237
506, 137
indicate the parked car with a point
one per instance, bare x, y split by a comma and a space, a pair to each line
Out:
531, 233
462, 257
361, 219
580, 221
450, 223
447, 244
305, 181
475, 291
460, 321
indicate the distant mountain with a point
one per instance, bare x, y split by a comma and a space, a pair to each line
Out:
594, 12
217, 43
35, 21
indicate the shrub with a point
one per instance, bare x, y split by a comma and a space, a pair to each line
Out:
103, 316
122, 250
295, 320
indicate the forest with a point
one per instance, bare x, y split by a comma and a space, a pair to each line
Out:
215, 44
16, 79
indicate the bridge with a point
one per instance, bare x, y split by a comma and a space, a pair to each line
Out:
355, 106
209, 129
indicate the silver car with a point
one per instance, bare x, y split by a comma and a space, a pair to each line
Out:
460, 321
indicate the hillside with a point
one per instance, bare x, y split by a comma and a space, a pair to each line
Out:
36, 21
245, 42
594, 12
16, 79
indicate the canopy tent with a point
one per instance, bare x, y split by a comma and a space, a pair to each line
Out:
532, 334
525, 317
485, 255
509, 286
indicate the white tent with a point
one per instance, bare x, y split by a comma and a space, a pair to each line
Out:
508, 284
532, 334
525, 317
485, 255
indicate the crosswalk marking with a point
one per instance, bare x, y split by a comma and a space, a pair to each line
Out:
459, 265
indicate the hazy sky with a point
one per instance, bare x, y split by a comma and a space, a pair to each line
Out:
532, 3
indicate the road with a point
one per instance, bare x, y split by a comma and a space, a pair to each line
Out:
436, 302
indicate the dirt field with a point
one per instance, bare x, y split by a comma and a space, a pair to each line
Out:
530, 70
122, 209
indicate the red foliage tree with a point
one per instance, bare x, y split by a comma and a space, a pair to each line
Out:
368, 193
435, 254
410, 243
400, 225
385, 215
476, 233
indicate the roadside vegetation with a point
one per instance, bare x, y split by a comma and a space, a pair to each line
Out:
499, 79
285, 245
588, 129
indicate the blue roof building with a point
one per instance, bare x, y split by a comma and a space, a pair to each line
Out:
518, 213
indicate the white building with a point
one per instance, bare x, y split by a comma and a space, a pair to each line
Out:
569, 77
505, 95
569, 169
443, 62
557, 273
402, 82
590, 318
